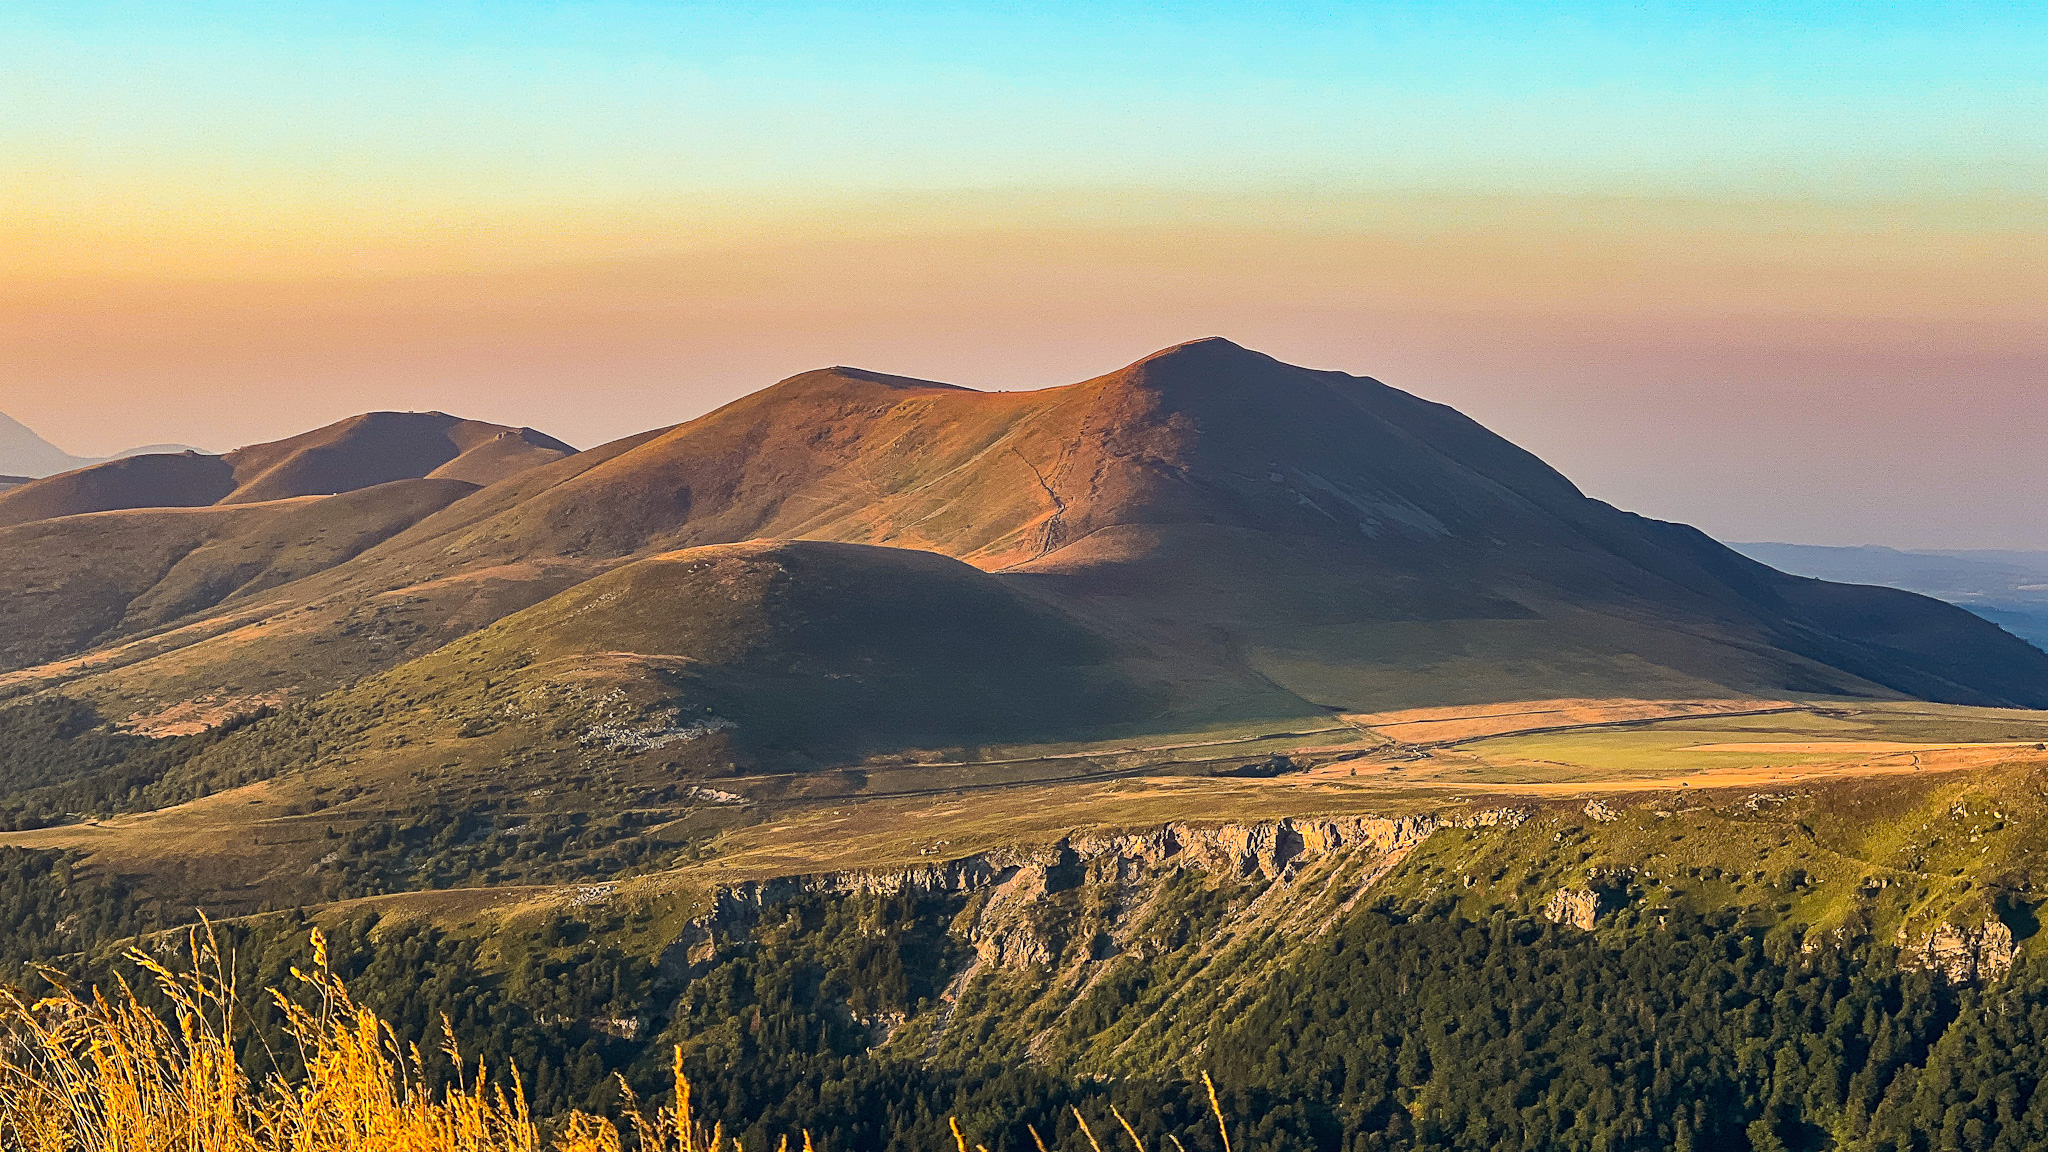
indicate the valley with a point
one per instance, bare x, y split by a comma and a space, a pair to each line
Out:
1123, 933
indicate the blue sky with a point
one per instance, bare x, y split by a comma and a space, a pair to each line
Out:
618, 99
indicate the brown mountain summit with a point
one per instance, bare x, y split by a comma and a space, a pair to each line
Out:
1252, 537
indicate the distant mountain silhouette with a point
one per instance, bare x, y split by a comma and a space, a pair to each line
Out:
23, 454
26, 456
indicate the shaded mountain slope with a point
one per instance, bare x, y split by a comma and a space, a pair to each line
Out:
360, 452
70, 583
1915, 644
2009, 589
183, 480
1338, 542
760, 656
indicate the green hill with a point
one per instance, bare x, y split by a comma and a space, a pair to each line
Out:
768, 655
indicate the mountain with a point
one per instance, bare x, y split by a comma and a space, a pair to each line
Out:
1272, 542
360, 452
26, 456
2008, 588
895, 755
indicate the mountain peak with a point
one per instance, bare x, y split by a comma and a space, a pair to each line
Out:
23, 453
840, 378
1218, 369
1207, 344
1207, 352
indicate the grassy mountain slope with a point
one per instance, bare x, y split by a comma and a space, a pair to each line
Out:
77, 582
1331, 538
360, 452
2009, 589
764, 655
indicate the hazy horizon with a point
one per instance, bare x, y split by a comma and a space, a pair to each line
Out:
1776, 275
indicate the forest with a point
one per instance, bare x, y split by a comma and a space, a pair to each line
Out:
1404, 1028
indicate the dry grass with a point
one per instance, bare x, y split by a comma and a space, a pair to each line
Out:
90, 1072
96, 1073
1457, 724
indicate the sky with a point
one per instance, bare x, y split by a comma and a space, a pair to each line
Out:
1778, 270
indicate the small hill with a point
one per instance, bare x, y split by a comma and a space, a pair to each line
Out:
183, 480
361, 452
379, 447
741, 658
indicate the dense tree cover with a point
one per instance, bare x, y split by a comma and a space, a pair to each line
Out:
1421, 1031
1432, 1032
49, 907
543, 1017
1980, 1087
491, 843
58, 760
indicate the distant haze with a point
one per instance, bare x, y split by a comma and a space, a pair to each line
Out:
2008, 588
1775, 271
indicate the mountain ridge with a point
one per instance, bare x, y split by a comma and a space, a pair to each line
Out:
2007, 587
359, 452
1255, 525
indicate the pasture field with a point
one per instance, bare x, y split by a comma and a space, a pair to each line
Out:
1436, 726
225, 850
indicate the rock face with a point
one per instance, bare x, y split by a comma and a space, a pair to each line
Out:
1016, 880
1578, 907
1976, 955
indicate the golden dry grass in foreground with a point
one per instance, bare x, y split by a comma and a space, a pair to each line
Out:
94, 1073
86, 1072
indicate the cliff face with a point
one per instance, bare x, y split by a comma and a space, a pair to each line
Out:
1268, 850
1109, 952
1978, 954
1047, 922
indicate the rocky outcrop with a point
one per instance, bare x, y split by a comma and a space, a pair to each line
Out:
1977, 955
1015, 880
1578, 907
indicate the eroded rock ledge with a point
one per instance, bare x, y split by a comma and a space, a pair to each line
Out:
1974, 955
1267, 849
